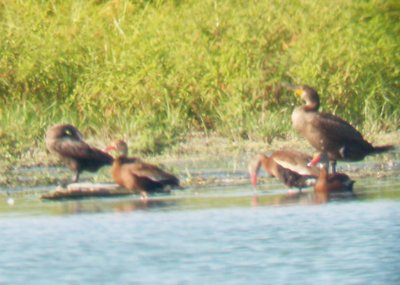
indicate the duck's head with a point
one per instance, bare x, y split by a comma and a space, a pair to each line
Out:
118, 146
63, 131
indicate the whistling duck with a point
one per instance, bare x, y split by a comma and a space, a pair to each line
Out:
329, 133
288, 166
335, 182
136, 175
67, 142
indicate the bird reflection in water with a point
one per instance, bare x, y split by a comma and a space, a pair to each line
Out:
301, 198
120, 206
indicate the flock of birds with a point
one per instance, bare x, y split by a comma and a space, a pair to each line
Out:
333, 138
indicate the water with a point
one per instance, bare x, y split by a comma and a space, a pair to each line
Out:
228, 234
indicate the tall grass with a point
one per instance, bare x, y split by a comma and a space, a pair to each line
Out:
153, 70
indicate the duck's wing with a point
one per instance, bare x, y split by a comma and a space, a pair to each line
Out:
335, 129
152, 172
80, 150
295, 161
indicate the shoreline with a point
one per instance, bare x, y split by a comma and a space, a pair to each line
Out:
184, 157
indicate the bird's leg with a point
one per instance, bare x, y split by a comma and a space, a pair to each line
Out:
143, 196
75, 178
334, 166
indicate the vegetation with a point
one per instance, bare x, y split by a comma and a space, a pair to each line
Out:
153, 71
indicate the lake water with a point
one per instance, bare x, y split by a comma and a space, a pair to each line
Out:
215, 234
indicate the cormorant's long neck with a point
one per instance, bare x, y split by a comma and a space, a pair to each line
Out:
311, 105
311, 98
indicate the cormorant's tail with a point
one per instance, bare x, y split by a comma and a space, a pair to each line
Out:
383, 148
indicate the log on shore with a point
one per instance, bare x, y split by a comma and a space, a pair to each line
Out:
86, 190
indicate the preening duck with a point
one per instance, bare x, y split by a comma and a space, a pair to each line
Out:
67, 142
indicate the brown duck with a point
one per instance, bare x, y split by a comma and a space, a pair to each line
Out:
67, 142
334, 182
329, 133
138, 176
288, 166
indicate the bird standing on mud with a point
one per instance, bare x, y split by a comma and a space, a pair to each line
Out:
288, 166
327, 132
66, 141
138, 176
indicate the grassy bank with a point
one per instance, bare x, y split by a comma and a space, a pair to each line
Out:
152, 71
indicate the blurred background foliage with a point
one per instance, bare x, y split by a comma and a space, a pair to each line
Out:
153, 71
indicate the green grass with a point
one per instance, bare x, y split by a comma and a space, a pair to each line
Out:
153, 71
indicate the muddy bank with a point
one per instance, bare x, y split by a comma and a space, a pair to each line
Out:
200, 160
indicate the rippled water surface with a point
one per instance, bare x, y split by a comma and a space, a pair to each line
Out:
215, 234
